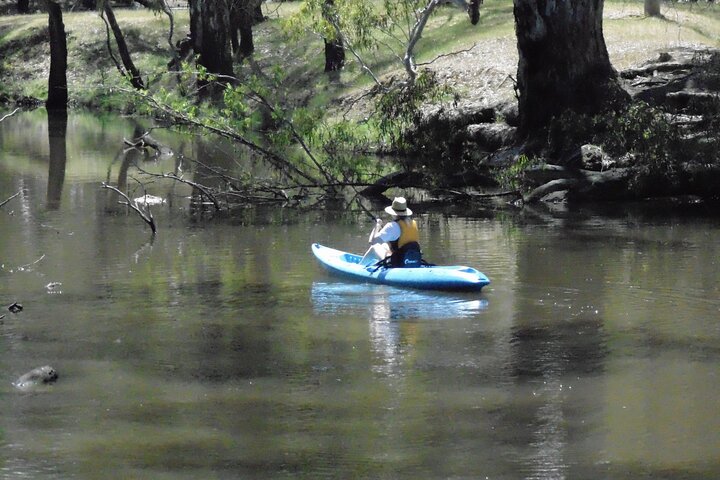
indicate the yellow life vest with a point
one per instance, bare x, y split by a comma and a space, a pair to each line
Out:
408, 233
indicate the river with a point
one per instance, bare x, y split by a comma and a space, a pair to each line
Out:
220, 349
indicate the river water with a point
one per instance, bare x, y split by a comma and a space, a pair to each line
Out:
220, 349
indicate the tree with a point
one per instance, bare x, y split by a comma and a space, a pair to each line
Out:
57, 82
564, 63
243, 15
394, 26
652, 8
334, 50
209, 30
128, 68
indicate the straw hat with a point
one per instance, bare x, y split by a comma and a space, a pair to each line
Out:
399, 208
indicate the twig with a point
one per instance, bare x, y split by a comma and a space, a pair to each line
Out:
173, 176
6, 201
28, 265
9, 114
422, 64
146, 216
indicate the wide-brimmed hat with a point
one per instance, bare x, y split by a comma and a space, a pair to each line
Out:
399, 208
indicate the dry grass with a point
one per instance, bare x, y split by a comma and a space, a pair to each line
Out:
481, 68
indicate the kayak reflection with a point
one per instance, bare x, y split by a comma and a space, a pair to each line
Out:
391, 303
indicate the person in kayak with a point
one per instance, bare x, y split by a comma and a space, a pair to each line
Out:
396, 243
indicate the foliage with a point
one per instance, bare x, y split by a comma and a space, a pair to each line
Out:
401, 108
511, 177
640, 132
645, 132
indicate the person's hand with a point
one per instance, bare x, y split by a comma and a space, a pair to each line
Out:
378, 222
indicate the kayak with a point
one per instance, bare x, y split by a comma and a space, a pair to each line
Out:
432, 277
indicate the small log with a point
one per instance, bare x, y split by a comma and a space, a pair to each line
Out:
581, 184
552, 186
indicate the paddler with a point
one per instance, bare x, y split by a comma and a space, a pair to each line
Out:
396, 243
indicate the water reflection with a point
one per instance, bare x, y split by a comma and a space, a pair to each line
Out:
392, 313
57, 137
385, 303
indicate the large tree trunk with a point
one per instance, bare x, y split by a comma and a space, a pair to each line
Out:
209, 29
652, 8
57, 83
133, 72
564, 63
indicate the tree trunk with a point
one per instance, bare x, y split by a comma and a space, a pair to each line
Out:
564, 63
134, 73
57, 83
334, 50
334, 55
23, 6
209, 23
652, 8
258, 16
474, 11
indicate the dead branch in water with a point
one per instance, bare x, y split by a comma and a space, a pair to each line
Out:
145, 215
6, 201
144, 141
10, 114
173, 176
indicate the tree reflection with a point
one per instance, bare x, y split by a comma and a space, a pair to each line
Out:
57, 136
558, 339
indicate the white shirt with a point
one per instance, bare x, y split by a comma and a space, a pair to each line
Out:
390, 232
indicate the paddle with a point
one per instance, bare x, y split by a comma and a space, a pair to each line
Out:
373, 232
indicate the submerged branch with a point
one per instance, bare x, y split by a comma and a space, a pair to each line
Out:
145, 215
9, 114
173, 176
7, 200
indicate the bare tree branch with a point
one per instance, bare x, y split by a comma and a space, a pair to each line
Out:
446, 55
279, 162
145, 215
173, 176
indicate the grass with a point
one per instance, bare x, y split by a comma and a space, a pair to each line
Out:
480, 73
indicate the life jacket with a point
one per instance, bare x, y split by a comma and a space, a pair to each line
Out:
406, 249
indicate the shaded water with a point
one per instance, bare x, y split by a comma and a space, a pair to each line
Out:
222, 350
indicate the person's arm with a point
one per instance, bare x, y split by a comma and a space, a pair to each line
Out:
391, 231
375, 230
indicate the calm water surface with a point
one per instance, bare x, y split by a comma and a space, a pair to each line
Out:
222, 350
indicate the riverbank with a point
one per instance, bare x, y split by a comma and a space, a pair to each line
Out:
478, 62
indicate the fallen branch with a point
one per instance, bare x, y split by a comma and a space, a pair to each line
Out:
475, 195
146, 216
173, 176
550, 187
6, 201
279, 162
458, 52
145, 140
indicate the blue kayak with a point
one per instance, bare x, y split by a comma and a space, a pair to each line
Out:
426, 277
